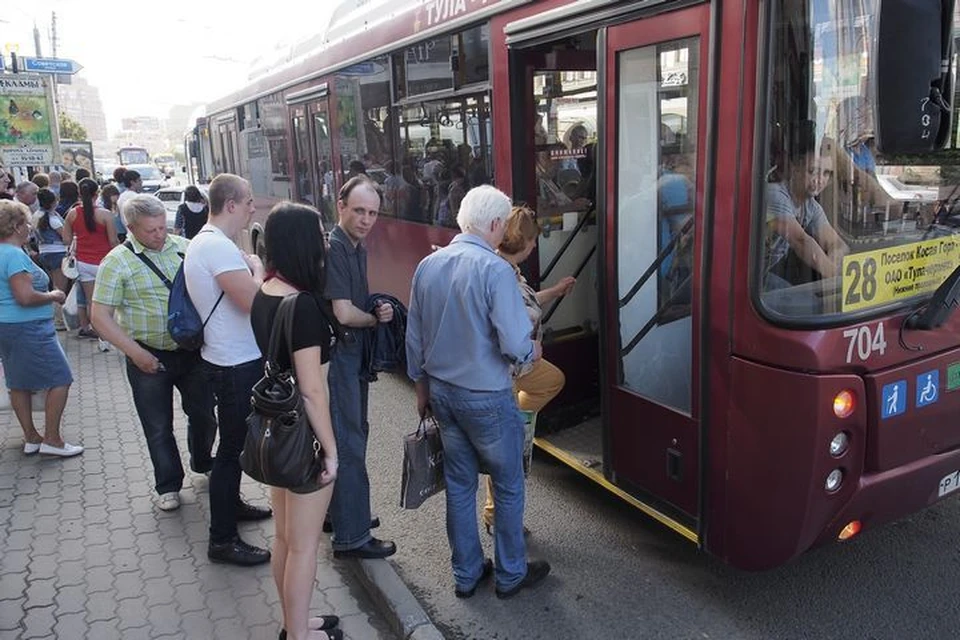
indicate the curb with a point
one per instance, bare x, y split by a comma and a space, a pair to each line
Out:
393, 597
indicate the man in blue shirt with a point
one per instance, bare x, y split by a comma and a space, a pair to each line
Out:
466, 329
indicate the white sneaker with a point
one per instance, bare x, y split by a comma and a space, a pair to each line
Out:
66, 451
31, 447
169, 501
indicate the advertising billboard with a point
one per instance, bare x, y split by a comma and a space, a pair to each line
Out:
76, 154
28, 121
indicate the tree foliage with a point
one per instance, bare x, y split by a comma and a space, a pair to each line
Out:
70, 129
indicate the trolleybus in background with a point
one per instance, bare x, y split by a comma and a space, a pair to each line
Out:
133, 155
198, 153
758, 385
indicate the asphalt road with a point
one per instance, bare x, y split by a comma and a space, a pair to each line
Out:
619, 575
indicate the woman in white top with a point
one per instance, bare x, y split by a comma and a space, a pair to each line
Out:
48, 224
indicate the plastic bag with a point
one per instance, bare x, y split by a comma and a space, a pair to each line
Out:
70, 317
4, 394
422, 474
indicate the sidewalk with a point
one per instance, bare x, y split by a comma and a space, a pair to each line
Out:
85, 553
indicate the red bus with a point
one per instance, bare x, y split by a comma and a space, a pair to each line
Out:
758, 201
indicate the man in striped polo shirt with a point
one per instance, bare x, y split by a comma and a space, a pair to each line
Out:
129, 281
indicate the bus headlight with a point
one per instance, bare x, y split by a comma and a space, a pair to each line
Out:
834, 480
839, 444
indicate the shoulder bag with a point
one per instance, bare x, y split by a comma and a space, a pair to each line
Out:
69, 263
281, 449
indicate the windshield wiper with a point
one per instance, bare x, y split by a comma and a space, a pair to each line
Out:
945, 299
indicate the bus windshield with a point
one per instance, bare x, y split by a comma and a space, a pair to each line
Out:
843, 228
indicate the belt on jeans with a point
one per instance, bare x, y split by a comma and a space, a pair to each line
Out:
155, 350
229, 366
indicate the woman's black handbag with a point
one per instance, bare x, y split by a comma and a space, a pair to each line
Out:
281, 449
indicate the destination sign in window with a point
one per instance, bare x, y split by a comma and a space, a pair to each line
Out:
878, 277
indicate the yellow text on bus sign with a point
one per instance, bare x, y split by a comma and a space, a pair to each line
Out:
877, 277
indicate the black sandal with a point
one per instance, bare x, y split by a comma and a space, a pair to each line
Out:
330, 623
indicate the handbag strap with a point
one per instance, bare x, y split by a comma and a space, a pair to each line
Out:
282, 326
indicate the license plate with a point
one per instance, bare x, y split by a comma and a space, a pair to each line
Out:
949, 484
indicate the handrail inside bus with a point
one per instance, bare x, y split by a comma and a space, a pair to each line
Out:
655, 320
566, 244
576, 274
655, 265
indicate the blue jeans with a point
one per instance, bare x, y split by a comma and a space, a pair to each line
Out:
482, 429
233, 387
153, 398
350, 507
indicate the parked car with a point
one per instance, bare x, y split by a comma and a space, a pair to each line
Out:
153, 179
172, 198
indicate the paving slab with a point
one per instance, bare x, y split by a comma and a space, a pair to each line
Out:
85, 553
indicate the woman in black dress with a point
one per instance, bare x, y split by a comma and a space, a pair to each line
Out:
295, 265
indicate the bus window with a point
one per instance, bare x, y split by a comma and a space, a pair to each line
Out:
363, 121
446, 150
656, 174
843, 228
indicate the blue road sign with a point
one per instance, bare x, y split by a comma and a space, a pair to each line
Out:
928, 388
893, 399
50, 65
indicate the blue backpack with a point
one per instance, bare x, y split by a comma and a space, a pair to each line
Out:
183, 321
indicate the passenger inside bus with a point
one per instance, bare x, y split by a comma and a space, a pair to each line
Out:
552, 198
801, 244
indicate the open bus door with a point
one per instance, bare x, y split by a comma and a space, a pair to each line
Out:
655, 115
557, 137
611, 131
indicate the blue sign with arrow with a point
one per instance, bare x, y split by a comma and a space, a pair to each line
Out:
50, 65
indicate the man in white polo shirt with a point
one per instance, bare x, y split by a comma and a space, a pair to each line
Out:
222, 282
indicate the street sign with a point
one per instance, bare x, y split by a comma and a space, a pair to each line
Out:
50, 65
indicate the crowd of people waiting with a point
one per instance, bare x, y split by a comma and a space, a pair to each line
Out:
471, 367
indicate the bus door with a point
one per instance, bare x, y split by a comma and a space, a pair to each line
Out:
655, 79
303, 174
556, 134
323, 180
227, 137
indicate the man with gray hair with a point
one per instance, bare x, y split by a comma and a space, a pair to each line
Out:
466, 326
27, 194
135, 278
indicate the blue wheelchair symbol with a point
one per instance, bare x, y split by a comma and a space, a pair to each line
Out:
928, 388
893, 399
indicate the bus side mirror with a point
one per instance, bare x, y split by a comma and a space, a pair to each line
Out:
912, 69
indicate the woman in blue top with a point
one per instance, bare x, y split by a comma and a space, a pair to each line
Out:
32, 357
